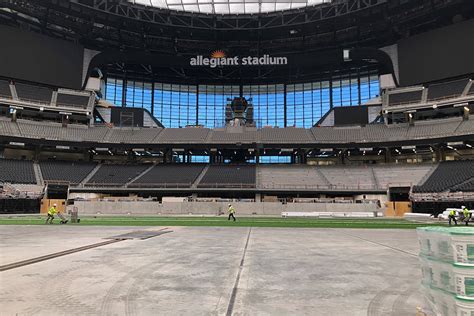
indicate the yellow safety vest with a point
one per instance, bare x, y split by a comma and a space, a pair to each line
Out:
52, 211
452, 213
231, 210
466, 212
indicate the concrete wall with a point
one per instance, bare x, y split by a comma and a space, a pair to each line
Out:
213, 208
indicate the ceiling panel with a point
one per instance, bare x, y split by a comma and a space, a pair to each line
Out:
229, 6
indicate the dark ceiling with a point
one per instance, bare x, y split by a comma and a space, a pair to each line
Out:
105, 24
117, 25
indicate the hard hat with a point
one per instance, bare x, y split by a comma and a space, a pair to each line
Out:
229, 204
463, 207
55, 204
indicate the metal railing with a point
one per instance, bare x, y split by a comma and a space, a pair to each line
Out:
272, 186
160, 185
226, 185
344, 187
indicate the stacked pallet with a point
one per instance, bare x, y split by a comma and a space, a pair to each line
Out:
447, 263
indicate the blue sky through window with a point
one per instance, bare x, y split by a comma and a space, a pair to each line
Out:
180, 105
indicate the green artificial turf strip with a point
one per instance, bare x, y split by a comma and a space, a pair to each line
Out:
222, 221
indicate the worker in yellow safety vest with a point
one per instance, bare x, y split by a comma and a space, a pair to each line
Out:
452, 216
231, 212
51, 212
467, 215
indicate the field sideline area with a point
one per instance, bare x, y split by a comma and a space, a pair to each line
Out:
222, 221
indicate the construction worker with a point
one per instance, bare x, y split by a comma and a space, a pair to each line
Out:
452, 216
467, 215
231, 212
51, 212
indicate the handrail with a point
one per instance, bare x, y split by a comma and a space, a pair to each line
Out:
170, 185
164, 185
322, 186
227, 185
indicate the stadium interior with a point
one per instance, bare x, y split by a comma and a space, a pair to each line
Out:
237, 157
360, 116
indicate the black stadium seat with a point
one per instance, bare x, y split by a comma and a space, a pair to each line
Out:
115, 174
170, 175
229, 176
5, 89
72, 172
447, 176
17, 171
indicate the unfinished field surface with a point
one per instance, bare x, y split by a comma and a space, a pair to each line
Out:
209, 271
222, 221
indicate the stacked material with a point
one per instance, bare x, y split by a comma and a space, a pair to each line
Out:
447, 263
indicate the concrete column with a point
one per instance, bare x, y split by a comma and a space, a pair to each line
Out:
388, 155
168, 157
341, 158
440, 154
37, 152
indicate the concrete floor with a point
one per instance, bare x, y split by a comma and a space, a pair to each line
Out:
211, 271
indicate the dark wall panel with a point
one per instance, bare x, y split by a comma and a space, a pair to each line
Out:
34, 57
126, 116
439, 54
351, 115
19, 206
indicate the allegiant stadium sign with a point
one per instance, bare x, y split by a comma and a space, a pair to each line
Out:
218, 60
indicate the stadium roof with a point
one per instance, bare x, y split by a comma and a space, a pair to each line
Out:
230, 6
